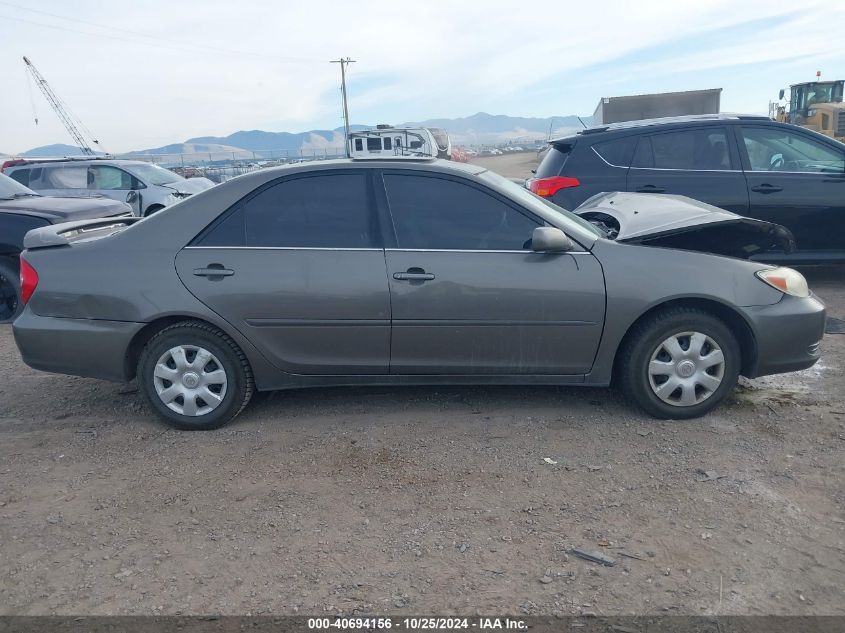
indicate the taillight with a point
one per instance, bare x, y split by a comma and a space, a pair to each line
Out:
29, 280
11, 163
547, 187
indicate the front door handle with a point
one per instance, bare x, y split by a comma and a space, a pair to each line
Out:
215, 272
650, 189
766, 188
413, 274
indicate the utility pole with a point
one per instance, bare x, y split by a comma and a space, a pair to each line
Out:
343, 62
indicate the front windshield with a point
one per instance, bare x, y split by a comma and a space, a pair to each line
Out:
153, 174
10, 189
521, 194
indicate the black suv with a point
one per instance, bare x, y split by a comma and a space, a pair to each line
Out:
750, 165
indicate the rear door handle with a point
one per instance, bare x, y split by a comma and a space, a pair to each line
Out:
766, 188
214, 270
413, 274
650, 189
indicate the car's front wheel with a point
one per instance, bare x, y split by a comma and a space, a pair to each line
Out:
194, 376
680, 363
10, 293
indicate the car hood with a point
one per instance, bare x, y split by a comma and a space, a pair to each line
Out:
65, 209
672, 220
190, 185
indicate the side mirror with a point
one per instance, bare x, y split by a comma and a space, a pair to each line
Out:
780, 94
547, 239
131, 197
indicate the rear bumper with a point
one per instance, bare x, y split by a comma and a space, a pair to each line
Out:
788, 334
79, 347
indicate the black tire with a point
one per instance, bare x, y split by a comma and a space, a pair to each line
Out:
153, 209
646, 338
239, 381
10, 293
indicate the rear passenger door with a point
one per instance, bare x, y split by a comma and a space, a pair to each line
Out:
298, 267
64, 179
700, 162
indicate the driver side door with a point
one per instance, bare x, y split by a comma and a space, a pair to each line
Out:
796, 180
468, 294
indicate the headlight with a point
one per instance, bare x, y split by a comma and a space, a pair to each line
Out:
786, 280
180, 194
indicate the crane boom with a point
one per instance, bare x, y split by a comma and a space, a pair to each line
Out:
59, 109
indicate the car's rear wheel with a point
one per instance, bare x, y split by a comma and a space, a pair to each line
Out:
680, 363
194, 376
10, 293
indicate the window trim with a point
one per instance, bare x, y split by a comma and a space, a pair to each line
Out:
372, 205
380, 184
746, 160
733, 155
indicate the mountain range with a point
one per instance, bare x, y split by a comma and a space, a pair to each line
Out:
478, 129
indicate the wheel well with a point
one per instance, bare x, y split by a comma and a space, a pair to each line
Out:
152, 209
729, 316
143, 336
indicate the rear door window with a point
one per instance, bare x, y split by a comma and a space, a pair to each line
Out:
324, 211
698, 149
440, 214
67, 176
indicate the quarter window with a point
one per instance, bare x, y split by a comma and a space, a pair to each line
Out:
699, 149
435, 213
617, 152
325, 211
778, 149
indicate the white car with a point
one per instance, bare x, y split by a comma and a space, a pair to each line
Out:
146, 187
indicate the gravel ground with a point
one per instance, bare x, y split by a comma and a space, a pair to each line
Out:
425, 500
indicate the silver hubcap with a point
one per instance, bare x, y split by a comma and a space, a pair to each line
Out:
190, 380
686, 369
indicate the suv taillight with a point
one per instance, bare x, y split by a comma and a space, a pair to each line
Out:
11, 163
547, 187
29, 280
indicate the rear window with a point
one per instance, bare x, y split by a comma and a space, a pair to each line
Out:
554, 160
617, 152
22, 176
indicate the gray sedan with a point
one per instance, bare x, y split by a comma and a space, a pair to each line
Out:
428, 272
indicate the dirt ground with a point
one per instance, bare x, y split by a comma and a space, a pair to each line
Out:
425, 500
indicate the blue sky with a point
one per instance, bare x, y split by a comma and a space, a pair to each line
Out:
152, 72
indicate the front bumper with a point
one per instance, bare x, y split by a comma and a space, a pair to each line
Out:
79, 347
788, 334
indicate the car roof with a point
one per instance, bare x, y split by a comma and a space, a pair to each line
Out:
674, 120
